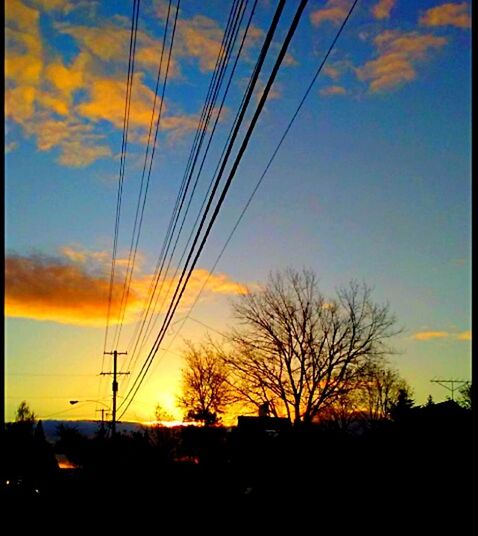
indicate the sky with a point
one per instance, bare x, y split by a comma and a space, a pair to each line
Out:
373, 183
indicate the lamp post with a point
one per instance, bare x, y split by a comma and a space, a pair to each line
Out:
73, 402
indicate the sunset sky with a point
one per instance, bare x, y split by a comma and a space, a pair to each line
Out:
373, 181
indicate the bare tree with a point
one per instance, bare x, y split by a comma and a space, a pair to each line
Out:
299, 351
205, 390
374, 394
379, 390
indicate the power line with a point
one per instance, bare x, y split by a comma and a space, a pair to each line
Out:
264, 173
128, 281
48, 375
272, 76
140, 377
227, 45
129, 85
201, 126
158, 273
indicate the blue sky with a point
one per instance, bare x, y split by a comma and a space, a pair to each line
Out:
373, 181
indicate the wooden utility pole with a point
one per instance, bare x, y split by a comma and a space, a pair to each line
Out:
115, 373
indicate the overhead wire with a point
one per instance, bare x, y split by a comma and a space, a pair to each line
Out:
148, 330
227, 45
180, 290
260, 180
124, 144
137, 227
200, 128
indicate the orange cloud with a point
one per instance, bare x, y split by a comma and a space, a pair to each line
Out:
448, 15
382, 9
51, 289
332, 72
106, 102
74, 288
333, 90
334, 11
429, 335
79, 145
199, 38
9, 147
109, 43
55, 5
398, 54
23, 60
464, 336
67, 79
62, 104
20, 103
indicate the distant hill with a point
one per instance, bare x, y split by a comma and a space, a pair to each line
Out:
87, 428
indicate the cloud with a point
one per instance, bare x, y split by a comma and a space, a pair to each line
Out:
464, 336
55, 5
334, 11
382, 9
333, 90
63, 104
397, 55
199, 38
42, 288
11, 146
77, 142
109, 44
448, 15
429, 335
73, 288
24, 60
332, 72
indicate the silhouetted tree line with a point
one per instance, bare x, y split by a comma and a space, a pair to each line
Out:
416, 446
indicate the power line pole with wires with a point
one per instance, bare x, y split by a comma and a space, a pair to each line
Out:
115, 373
444, 383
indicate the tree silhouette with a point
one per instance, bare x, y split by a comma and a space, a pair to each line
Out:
300, 352
400, 410
160, 414
205, 389
466, 396
380, 390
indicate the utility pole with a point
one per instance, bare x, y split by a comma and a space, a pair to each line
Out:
102, 421
452, 382
115, 373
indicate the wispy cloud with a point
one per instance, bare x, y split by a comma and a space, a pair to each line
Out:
333, 90
431, 335
448, 15
332, 72
382, 9
464, 336
73, 288
334, 11
398, 54
11, 146
198, 38
64, 6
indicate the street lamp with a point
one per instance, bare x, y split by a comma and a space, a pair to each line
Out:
73, 402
